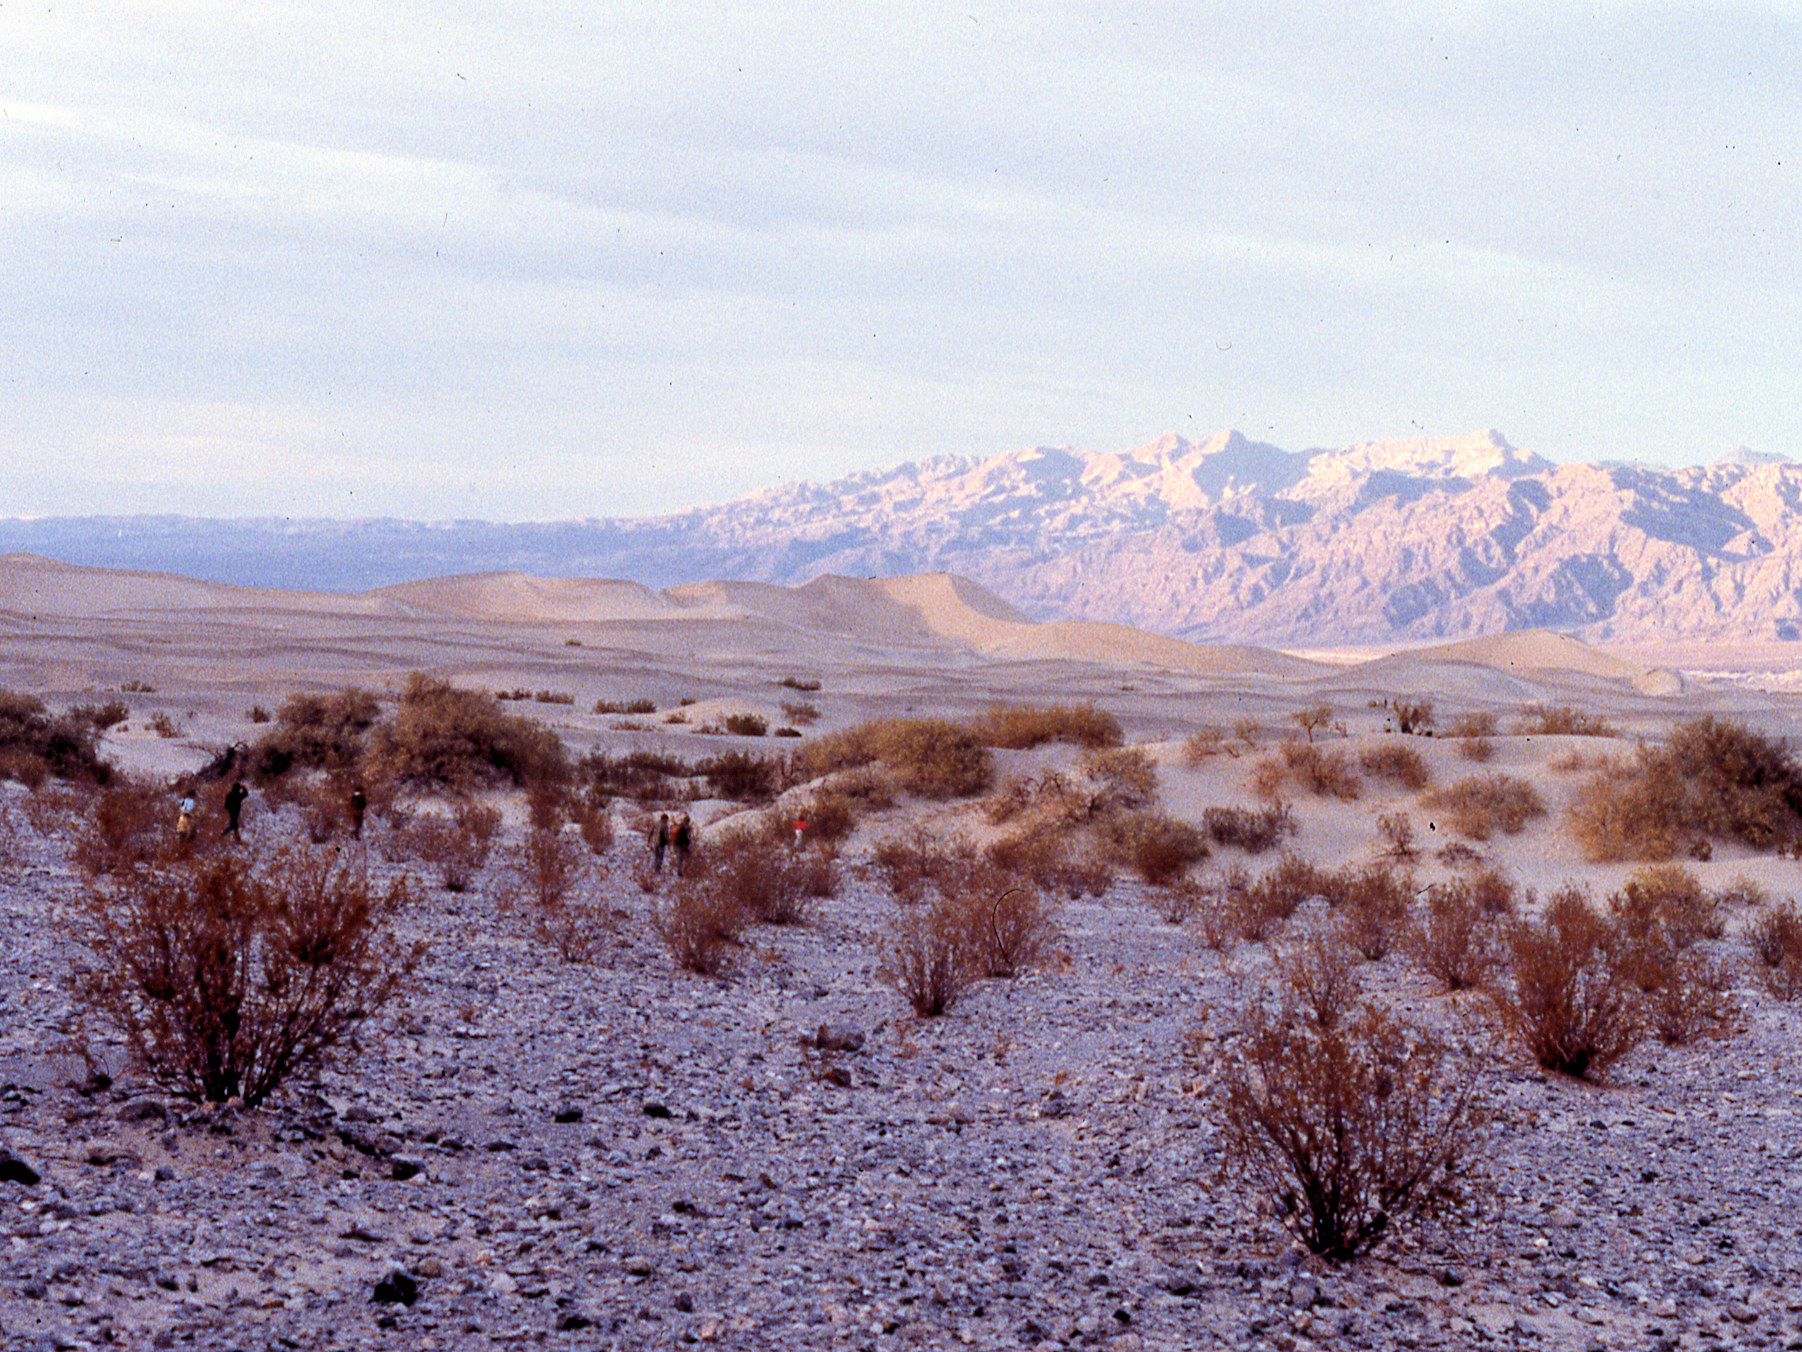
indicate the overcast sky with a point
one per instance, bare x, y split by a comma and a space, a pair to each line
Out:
544, 260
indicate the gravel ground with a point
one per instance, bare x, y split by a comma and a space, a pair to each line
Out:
614, 1154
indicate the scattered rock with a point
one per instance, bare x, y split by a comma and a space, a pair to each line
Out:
399, 1287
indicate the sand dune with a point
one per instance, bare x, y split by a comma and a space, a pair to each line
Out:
1530, 656
517, 596
30, 585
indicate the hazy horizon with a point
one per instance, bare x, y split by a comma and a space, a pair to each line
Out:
346, 263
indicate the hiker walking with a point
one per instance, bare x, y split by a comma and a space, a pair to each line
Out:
184, 818
234, 808
659, 841
359, 804
682, 839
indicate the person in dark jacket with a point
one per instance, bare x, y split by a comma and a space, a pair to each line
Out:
234, 809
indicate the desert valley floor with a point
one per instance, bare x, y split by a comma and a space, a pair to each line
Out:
616, 1153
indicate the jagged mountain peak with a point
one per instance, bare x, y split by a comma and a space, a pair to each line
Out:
1464, 457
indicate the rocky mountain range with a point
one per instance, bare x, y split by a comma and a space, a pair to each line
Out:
1222, 540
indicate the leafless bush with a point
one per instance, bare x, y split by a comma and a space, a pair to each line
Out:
457, 846
1473, 725
1160, 848
1125, 779
1257, 909
1688, 994
1010, 930
1456, 938
229, 979
36, 744
1353, 1131
700, 925
1050, 856
766, 876
1666, 904
1020, 726
127, 823
1396, 762
1374, 904
1481, 805
1776, 942
1253, 830
442, 737
595, 823
1202, 745
1315, 718
1320, 970
926, 957
316, 732
1397, 831
1412, 715
747, 725
909, 863
553, 868
1325, 774
1541, 720
1567, 997
930, 757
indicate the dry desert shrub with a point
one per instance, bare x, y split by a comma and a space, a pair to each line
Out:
743, 777
1667, 904
1253, 830
594, 822
1017, 727
1160, 849
442, 737
554, 869
642, 775
228, 978
1396, 762
1776, 942
1566, 996
1479, 806
1456, 938
1413, 715
36, 745
700, 925
316, 732
126, 824
1325, 774
1009, 930
1316, 718
1051, 857
1473, 724
457, 846
1049, 797
926, 958
1375, 905
1320, 971
1353, 1131
1477, 750
909, 863
1205, 743
1124, 779
928, 757
1564, 720
1710, 780
1397, 831
800, 713
767, 882
830, 814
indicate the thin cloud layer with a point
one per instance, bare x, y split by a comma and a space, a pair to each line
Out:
435, 261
